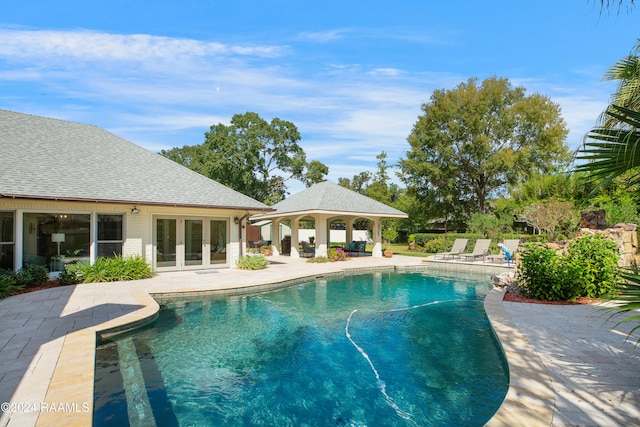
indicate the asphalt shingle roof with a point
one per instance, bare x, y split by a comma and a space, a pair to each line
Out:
49, 158
329, 197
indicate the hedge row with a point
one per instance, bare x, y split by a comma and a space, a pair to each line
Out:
439, 242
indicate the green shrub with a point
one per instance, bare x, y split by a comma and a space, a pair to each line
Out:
70, 274
318, 260
32, 275
443, 241
422, 238
435, 245
538, 272
588, 269
114, 269
525, 238
424, 242
595, 262
252, 262
8, 284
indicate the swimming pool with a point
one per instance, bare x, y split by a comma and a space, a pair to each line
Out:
380, 349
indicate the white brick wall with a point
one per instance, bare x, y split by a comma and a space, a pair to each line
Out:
138, 229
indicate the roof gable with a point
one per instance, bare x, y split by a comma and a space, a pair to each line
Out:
56, 159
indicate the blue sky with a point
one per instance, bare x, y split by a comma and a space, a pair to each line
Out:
351, 75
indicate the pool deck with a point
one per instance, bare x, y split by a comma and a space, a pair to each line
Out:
567, 366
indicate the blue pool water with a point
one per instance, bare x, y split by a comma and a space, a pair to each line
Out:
381, 349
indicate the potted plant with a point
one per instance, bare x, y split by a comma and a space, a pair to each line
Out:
312, 239
389, 234
266, 250
412, 242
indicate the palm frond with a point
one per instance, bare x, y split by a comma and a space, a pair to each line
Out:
626, 72
629, 299
611, 152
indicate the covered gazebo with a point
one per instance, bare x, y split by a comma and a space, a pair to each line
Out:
325, 203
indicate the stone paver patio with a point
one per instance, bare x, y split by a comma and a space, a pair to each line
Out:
567, 366
594, 370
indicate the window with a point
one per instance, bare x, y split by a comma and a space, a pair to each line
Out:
110, 236
6, 240
55, 239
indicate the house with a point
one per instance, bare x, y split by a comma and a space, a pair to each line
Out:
72, 192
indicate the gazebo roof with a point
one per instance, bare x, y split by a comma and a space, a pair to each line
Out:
327, 197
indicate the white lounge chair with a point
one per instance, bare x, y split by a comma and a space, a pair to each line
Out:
481, 249
458, 247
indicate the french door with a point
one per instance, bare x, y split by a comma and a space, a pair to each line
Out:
184, 243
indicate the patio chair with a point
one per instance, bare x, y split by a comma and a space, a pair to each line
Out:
512, 247
356, 248
481, 249
456, 249
307, 251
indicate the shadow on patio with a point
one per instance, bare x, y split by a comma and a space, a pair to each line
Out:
32, 332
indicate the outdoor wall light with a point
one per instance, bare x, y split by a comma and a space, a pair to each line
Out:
135, 210
236, 220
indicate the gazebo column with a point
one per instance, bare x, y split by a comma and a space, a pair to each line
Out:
349, 224
376, 225
322, 234
294, 237
275, 236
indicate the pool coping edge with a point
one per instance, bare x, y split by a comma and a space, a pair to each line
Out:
530, 399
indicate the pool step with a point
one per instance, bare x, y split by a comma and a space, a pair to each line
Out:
138, 405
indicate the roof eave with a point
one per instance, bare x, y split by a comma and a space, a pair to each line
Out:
328, 212
136, 202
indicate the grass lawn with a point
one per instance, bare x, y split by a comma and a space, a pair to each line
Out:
400, 249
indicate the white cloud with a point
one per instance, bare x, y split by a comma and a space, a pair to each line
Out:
322, 36
581, 114
174, 120
91, 45
388, 72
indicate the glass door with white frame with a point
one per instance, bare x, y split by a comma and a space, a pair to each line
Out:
193, 242
218, 242
166, 242
190, 243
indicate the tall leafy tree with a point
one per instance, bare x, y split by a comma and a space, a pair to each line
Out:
358, 183
316, 172
380, 188
377, 186
374, 185
252, 156
474, 140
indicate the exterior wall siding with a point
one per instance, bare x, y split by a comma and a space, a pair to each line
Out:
138, 229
